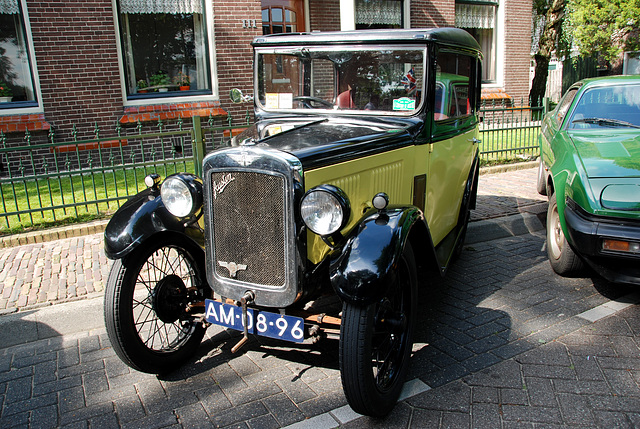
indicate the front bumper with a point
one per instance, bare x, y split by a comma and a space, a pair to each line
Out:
586, 233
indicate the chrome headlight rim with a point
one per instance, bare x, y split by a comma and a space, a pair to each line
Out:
181, 194
339, 199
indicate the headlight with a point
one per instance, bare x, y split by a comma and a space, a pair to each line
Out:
325, 209
181, 194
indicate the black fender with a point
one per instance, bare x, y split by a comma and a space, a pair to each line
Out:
139, 219
365, 267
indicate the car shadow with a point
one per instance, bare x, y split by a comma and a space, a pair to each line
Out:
22, 328
500, 299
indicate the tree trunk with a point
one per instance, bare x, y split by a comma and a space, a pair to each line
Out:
548, 43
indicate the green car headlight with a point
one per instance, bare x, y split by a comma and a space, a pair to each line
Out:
325, 209
181, 194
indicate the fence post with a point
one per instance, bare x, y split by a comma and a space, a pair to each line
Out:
545, 107
197, 143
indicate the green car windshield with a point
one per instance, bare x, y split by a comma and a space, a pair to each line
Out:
607, 106
378, 80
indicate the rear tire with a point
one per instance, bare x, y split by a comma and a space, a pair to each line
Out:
563, 259
145, 304
376, 342
541, 186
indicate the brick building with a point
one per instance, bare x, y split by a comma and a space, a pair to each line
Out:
100, 62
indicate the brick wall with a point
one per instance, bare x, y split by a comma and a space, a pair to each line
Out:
75, 49
234, 51
324, 15
517, 48
429, 14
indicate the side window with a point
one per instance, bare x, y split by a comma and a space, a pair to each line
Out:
164, 46
17, 88
564, 104
454, 83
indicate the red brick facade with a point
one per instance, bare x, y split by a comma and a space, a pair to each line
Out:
76, 51
234, 51
75, 47
436, 13
517, 56
324, 15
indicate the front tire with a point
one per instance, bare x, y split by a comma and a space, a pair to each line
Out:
563, 259
145, 304
376, 342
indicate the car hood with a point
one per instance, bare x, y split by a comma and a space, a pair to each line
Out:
324, 141
614, 154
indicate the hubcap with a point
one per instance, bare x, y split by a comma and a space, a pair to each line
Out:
168, 298
557, 236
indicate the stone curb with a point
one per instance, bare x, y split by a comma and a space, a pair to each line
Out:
52, 234
509, 167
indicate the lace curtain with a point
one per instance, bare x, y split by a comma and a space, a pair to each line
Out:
160, 6
9, 7
381, 12
475, 16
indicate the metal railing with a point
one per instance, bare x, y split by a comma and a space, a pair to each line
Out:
510, 133
45, 182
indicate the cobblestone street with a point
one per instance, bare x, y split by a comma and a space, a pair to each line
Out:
503, 343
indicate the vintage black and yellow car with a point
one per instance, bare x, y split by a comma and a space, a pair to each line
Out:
361, 168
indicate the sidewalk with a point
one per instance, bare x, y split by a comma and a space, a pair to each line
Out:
503, 342
36, 273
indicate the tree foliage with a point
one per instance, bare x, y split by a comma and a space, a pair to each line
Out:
604, 27
552, 13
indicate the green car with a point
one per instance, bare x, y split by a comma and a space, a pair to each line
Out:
590, 170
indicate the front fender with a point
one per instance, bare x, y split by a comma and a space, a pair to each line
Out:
365, 268
141, 217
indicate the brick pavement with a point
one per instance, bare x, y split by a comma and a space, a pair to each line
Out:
504, 342
41, 273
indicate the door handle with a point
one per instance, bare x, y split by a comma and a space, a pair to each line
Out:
475, 140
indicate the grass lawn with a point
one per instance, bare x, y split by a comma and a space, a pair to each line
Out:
501, 146
96, 195
88, 196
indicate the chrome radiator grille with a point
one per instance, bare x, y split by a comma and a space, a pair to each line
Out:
249, 226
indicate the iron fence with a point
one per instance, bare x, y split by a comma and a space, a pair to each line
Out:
510, 132
44, 181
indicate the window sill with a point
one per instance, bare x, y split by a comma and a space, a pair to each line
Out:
168, 111
22, 123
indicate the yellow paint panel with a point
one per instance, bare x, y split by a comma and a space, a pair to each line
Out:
390, 172
449, 166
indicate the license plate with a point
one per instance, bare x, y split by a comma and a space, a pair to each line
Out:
289, 328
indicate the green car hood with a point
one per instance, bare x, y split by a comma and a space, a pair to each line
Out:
614, 153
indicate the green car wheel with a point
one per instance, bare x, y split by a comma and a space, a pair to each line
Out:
564, 260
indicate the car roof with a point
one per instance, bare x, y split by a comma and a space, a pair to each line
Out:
454, 37
609, 80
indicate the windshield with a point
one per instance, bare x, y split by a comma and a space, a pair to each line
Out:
372, 80
610, 106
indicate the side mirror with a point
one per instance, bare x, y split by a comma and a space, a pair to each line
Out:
238, 97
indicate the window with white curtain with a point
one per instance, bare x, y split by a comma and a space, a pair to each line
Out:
479, 19
16, 78
164, 44
378, 14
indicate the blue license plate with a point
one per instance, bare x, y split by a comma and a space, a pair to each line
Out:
289, 328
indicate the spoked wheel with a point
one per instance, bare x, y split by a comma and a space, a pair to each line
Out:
563, 259
145, 307
376, 342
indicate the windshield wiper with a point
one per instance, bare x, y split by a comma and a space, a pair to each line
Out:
606, 121
297, 127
